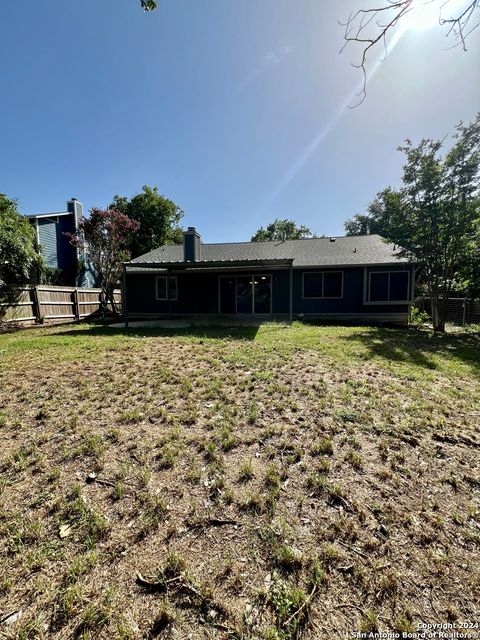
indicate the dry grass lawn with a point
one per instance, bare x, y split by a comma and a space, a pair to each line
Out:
290, 482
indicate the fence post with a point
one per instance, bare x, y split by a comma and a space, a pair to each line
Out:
464, 311
76, 305
37, 309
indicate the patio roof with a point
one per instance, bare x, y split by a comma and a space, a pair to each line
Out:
131, 267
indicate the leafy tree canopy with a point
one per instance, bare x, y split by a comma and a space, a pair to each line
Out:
148, 5
282, 230
105, 237
380, 212
157, 216
435, 216
19, 252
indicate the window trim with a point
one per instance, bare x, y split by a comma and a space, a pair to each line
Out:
323, 272
368, 284
157, 278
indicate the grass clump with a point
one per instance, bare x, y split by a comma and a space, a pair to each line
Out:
288, 605
130, 416
89, 521
21, 530
153, 513
355, 459
323, 447
246, 471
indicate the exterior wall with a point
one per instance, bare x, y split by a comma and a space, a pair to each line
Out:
47, 237
56, 248
352, 301
66, 254
76, 207
198, 294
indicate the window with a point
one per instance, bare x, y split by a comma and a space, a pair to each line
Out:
161, 285
379, 286
323, 284
389, 286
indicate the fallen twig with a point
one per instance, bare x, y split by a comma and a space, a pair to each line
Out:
213, 522
307, 600
159, 585
219, 522
352, 548
93, 478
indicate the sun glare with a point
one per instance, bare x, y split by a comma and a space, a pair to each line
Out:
427, 13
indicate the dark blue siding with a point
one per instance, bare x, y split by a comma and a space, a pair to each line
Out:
351, 302
47, 234
56, 248
66, 254
198, 294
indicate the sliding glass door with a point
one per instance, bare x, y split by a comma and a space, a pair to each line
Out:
262, 294
245, 294
228, 295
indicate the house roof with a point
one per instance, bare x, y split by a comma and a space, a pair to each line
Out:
308, 252
54, 214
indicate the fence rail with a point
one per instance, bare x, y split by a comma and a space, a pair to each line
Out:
460, 311
45, 302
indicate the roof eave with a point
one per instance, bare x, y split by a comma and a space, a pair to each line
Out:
54, 214
208, 264
352, 265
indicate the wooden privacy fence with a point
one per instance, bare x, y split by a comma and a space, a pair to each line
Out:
45, 302
460, 311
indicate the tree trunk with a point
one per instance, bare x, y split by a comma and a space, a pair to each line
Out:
439, 308
110, 297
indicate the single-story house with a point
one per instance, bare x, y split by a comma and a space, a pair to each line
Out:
353, 278
70, 264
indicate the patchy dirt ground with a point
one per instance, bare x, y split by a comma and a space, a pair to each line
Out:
302, 482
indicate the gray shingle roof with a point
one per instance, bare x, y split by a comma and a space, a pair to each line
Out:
310, 252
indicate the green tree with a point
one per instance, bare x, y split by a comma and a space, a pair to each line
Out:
105, 236
467, 278
157, 216
434, 217
282, 230
19, 251
148, 5
380, 214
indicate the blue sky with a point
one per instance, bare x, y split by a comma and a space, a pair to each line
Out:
218, 103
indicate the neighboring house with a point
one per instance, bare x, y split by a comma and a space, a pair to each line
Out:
353, 278
68, 262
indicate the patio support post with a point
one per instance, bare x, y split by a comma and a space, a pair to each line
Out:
168, 294
291, 294
124, 296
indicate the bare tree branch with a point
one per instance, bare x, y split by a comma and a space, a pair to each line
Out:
457, 24
371, 26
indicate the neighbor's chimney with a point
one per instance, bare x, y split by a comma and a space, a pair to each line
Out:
191, 245
76, 207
